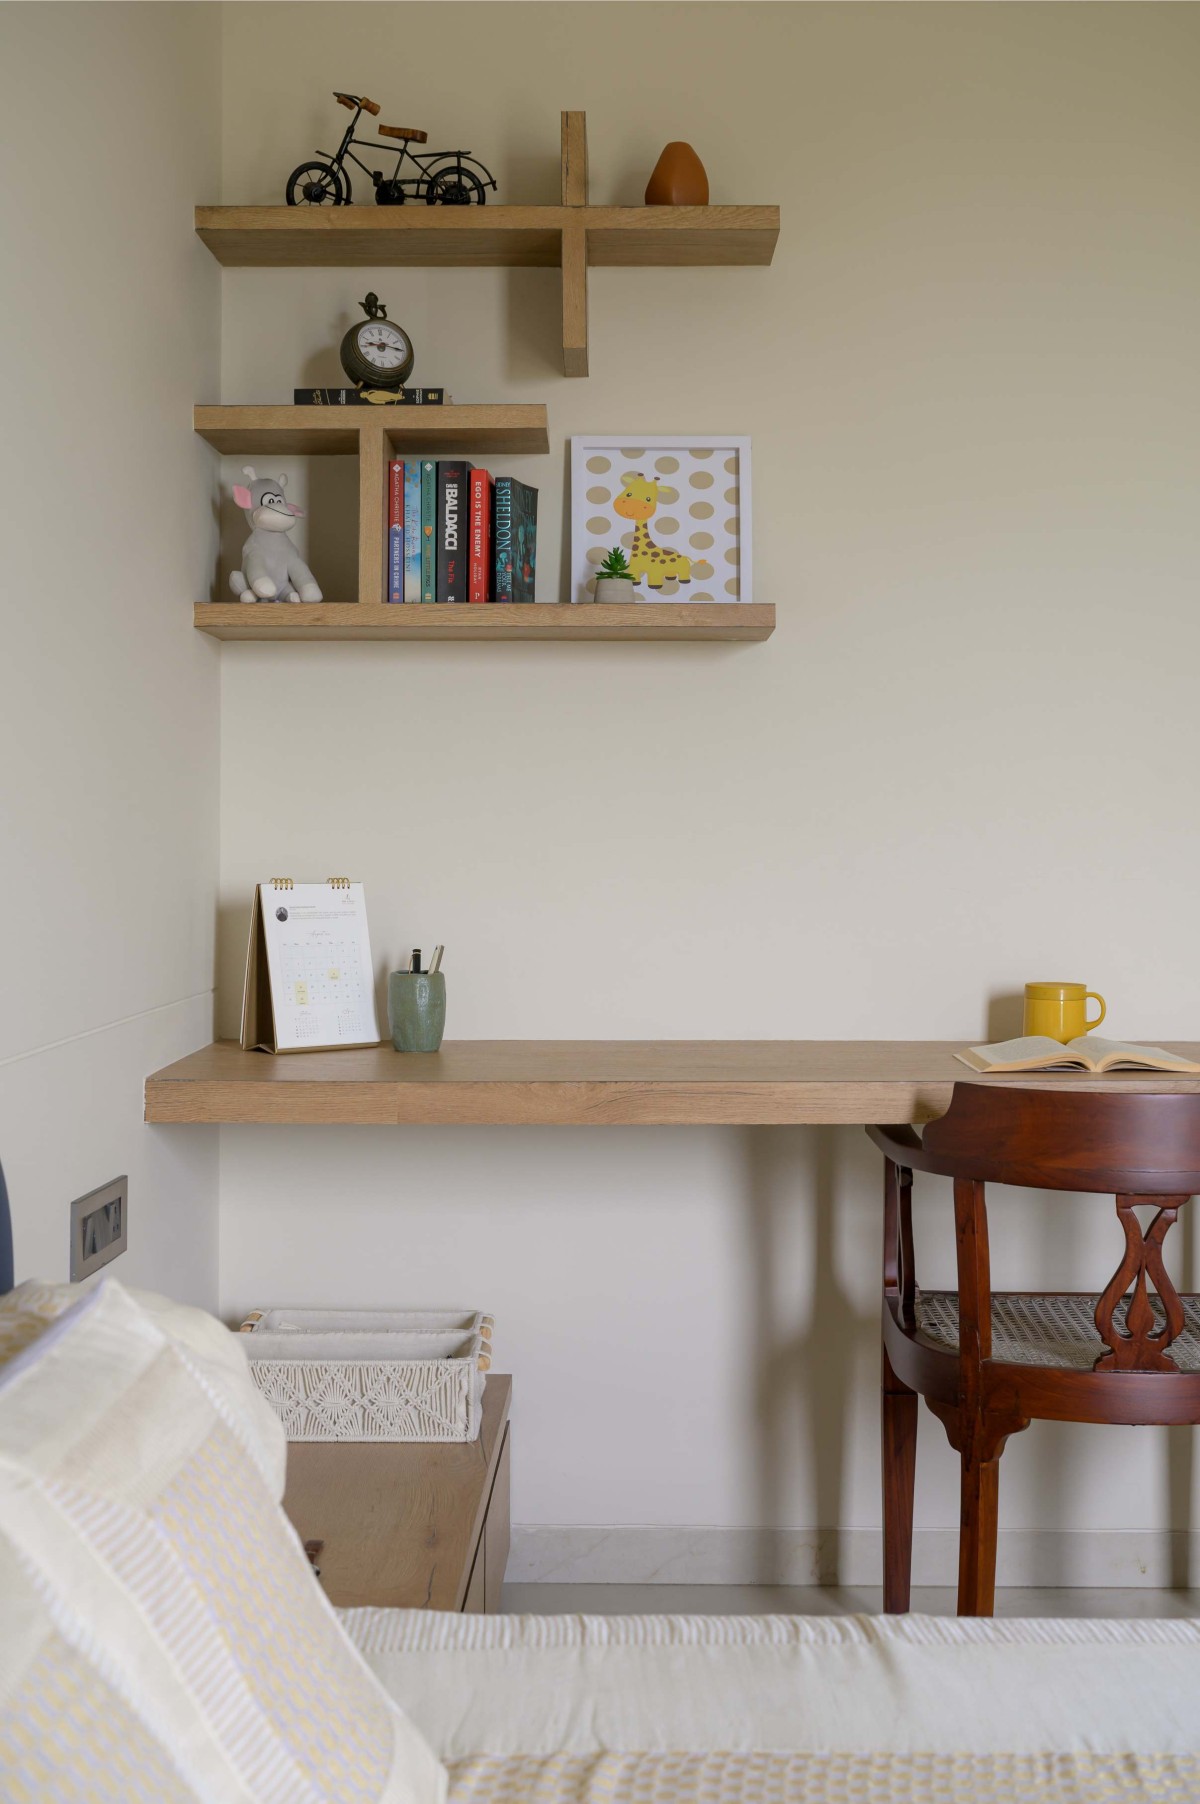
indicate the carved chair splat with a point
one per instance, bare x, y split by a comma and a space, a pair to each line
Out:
989, 1364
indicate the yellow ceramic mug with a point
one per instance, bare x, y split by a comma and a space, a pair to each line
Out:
1059, 1010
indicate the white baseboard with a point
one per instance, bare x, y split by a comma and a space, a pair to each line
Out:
634, 1555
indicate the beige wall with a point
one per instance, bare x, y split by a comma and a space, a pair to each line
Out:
109, 120
964, 759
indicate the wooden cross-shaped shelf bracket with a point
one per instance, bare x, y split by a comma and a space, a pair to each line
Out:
574, 236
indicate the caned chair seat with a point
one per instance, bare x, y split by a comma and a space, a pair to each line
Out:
1055, 1331
407, 132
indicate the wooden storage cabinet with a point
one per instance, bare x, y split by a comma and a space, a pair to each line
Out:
409, 1525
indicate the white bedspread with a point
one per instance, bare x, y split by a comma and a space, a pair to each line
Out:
796, 1710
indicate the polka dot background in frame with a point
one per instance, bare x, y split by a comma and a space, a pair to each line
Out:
679, 508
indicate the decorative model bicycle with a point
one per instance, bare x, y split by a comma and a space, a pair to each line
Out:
448, 178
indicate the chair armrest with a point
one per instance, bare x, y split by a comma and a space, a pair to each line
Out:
900, 1143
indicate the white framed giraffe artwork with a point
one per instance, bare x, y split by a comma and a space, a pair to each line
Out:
677, 507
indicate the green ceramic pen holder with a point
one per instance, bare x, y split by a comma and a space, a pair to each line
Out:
417, 1009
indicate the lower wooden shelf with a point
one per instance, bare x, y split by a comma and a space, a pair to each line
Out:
278, 620
410, 1525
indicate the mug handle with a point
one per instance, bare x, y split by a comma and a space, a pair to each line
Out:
1093, 997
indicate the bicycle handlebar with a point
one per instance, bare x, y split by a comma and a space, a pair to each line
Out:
355, 100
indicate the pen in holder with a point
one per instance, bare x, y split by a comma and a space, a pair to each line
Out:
417, 1009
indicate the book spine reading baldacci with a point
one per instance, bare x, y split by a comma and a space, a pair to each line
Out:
452, 530
353, 397
412, 529
395, 538
515, 539
428, 527
479, 570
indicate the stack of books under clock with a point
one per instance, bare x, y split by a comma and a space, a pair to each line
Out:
371, 397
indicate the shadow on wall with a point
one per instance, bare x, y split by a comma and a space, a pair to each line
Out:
804, 1378
1004, 1015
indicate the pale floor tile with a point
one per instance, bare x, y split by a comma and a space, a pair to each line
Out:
813, 1600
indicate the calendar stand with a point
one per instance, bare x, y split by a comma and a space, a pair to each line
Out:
260, 1030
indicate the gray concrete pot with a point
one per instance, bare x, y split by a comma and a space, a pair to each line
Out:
616, 591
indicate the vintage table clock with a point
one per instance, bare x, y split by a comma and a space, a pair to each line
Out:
377, 353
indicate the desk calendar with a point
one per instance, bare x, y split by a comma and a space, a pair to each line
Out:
309, 980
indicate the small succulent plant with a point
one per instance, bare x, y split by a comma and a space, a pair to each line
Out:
616, 564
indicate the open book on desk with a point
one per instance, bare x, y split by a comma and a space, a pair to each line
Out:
1036, 1052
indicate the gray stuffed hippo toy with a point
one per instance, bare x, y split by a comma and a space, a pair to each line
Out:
272, 569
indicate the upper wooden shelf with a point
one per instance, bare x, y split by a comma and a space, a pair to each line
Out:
485, 237
573, 237
429, 431
281, 620
592, 1082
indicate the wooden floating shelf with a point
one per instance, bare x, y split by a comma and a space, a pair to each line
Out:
486, 237
372, 434
280, 620
573, 237
340, 431
594, 1082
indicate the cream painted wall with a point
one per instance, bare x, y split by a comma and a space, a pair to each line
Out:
965, 758
109, 728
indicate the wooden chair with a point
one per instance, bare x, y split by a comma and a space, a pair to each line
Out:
986, 1364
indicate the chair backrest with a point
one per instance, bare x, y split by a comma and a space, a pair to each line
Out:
1136, 1143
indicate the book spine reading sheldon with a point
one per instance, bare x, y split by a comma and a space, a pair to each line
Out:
428, 526
502, 570
452, 531
395, 537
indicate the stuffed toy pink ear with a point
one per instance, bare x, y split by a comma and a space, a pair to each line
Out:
241, 494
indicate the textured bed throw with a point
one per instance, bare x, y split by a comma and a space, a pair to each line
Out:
796, 1710
826, 1779
162, 1637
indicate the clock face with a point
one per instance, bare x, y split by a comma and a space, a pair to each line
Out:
382, 345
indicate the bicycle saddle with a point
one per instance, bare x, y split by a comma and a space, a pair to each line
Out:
404, 131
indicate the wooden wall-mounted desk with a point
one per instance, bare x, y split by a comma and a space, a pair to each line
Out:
667, 1083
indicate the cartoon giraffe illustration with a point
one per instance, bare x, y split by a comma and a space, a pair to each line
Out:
637, 501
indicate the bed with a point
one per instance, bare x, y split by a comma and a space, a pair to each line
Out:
738, 1710
162, 1635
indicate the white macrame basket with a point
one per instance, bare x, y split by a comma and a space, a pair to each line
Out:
372, 1374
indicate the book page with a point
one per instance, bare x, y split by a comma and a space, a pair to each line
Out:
319, 954
1031, 1052
1110, 1055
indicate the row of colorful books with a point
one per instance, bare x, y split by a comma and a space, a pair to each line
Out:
457, 534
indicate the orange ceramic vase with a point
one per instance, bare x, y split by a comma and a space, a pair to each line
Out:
678, 180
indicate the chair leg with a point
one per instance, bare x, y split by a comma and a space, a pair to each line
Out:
899, 1449
977, 1536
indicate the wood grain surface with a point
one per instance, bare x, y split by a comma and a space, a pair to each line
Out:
479, 237
617, 1082
727, 622
335, 431
402, 1523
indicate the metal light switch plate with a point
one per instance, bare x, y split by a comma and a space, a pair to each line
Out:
99, 1227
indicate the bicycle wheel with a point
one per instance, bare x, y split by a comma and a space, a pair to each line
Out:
318, 185
455, 187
